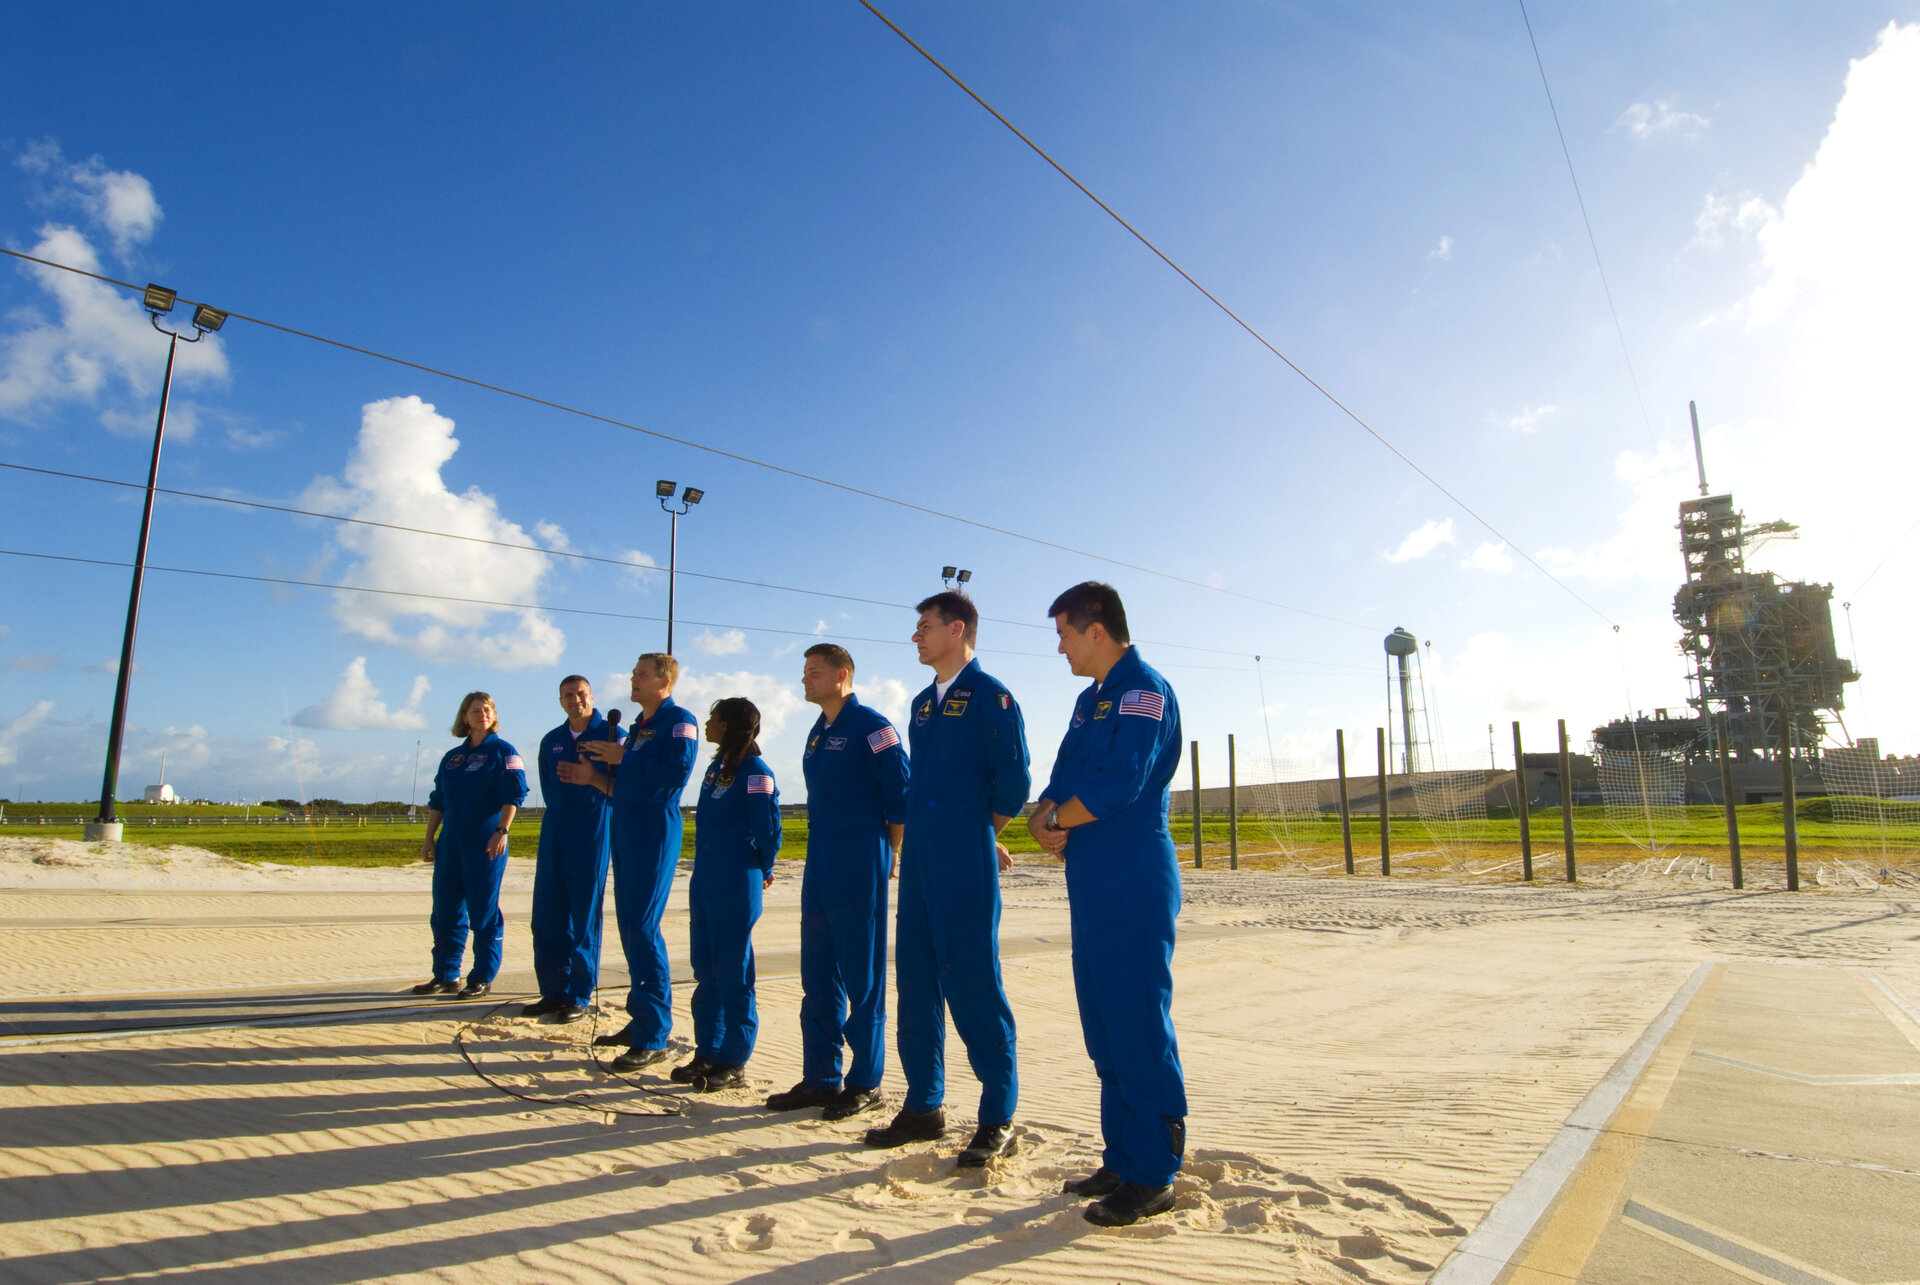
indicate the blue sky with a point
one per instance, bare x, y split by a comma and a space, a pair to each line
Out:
777, 231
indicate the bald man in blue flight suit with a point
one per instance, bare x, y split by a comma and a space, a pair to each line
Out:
570, 872
647, 774
970, 778
857, 777
1105, 812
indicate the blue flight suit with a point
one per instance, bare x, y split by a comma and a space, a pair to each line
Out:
646, 853
570, 874
1123, 893
736, 835
969, 762
472, 785
857, 776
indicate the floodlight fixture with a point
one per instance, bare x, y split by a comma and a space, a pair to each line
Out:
946, 573
692, 495
663, 489
158, 300
964, 575
208, 319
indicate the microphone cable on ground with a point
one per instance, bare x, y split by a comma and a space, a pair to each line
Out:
580, 1101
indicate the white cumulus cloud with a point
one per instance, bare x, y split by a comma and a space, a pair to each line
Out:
1527, 420
1422, 540
120, 201
1659, 119
19, 726
1442, 251
96, 346
731, 643
1491, 556
393, 475
354, 705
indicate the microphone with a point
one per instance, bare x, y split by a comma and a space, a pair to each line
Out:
613, 724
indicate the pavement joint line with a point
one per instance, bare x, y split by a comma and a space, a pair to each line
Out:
1724, 1249
1818, 1081
1894, 997
1487, 1250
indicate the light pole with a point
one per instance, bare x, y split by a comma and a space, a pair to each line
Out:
689, 497
158, 301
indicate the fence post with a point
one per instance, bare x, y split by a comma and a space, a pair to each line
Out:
1790, 811
1346, 815
1233, 809
1566, 800
1380, 750
1520, 788
1726, 796
1198, 859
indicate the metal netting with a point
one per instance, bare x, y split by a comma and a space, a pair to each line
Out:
1645, 793
1452, 801
1281, 805
1872, 808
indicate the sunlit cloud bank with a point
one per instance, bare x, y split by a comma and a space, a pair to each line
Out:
393, 476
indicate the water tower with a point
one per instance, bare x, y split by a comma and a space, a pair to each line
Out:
1400, 644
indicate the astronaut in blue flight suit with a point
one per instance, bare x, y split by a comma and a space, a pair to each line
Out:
570, 873
646, 774
736, 837
477, 790
1105, 812
970, 778
857, 775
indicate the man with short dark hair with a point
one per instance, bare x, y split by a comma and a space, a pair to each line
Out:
857, 777
570, 872
645, 778
970, 778
1104, 812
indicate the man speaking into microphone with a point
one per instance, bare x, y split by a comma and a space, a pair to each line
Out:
570, 873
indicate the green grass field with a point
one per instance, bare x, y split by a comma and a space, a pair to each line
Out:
344, 842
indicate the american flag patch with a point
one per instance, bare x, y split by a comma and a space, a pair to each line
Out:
759, 785
883, 739
1144, 703
686, 730
513, 763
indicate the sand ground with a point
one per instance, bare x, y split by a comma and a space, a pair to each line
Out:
1371, 1065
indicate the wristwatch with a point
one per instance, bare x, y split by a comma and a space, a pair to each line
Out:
1053, 818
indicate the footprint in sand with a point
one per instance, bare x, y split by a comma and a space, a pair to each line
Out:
869, 1247
759, 1232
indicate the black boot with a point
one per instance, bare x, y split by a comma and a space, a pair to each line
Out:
718, 1076
638, 1059
989, 1140
1101, 1182
848, 1103
1128, 1204
434, 986
801, 1096
699, 1064
909, 1126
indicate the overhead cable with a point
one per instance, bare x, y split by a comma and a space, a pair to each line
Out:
1592, 241
691, 444
622, 563
565, 611
1237, 319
